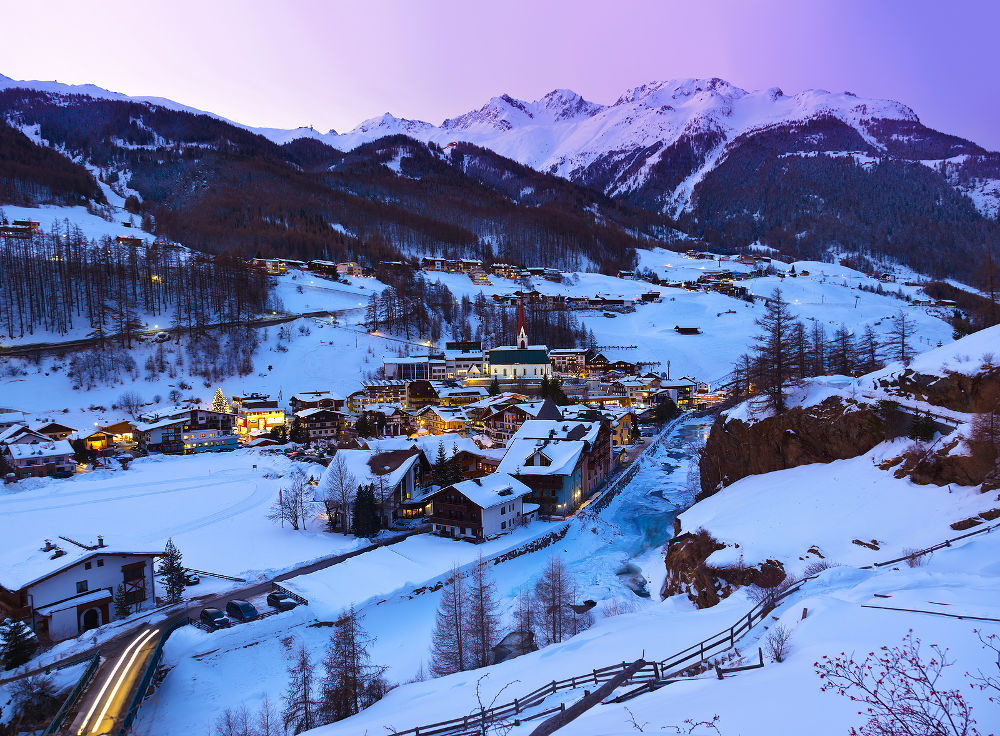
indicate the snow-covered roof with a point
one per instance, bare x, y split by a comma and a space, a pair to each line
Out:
304, 413
39, 448
389, 466
562, 429
446, 413
561, 456
24, 566
149, 426
428, 444
92, 596
491, 490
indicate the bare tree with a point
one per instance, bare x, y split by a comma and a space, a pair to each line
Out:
557, 612
776, 643
339, 489
131, 402
290, 505
448, 647
900, 336
268, 721
482, 616
235, 722
351, 683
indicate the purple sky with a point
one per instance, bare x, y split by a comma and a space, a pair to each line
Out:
333, 64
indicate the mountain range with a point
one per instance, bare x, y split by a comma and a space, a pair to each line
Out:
802, 173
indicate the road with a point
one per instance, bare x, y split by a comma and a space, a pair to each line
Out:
87, 342
103, 706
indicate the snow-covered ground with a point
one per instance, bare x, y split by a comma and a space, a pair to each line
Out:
211, 672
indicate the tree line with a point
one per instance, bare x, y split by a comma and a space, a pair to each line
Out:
785, 351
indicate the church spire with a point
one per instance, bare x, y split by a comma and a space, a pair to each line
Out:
522, 326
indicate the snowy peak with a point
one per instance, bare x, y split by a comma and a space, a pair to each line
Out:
565, 104
388, 124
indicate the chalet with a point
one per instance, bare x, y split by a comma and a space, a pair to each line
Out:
640, 390
502, 424
480, 508
350, 269
187, 432
273, 266
463, 359
626, 275
418, 394
451, 393
479, 410
129, 240
384, 392
393, 473
506, 270
326, 268
569, 360
624, 422
596, 459
415, 368
551, 468
442, 420
121, 432
258, 415
65, 592
99, 441
479, 276
10, 418
56, 431
356, 401
320, 423
33, 455
477, 464
317, 400
650, 296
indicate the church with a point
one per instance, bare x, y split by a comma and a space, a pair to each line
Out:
520, 362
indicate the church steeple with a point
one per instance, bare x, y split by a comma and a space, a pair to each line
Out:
522, 326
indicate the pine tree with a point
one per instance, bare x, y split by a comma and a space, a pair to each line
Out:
298, 433
494, 388
172, 571
773, 357
299, 712
440, 472
455, 473
121, 603
364, 521
17, 643
219, 403
544, 389
869, 351
448, 647
482, 616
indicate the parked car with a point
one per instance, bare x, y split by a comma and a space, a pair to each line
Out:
241, 611
214, 618
191, 578
281, 601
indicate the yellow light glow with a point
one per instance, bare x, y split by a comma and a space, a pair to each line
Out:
121, 678
108, 682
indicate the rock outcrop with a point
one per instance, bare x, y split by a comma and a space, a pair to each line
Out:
956, 391
835, 429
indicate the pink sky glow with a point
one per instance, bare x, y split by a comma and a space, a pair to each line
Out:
334, 64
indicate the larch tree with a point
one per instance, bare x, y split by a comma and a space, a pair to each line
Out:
774, 359
551, 600
482, 615
350, 682
900, 338
300, 707
448, 646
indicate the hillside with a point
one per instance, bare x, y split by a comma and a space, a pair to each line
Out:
218, 187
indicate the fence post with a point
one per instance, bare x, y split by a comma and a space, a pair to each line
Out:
517, 707
595, 677
656, 670
701, 649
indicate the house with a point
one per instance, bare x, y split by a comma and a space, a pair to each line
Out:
99, 441
480, 508
350, 269
56, 431
258, 415
390, 420
553, 440
463, 359
186, 432
415, 367
522, 361
65, 590
479, 276
33, 456
624, 422
384, 392
450, 393
418, 394
272, 266
326, 268
320, 423
10, 418
315, 400
442, 420
506, 270
502, 424
393, 473
569, 360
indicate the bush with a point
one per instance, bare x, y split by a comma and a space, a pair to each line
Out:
914, 558
777, 643
815, 568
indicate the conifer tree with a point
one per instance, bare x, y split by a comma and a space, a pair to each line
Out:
122, 605
220, 403
16, 643
364, 521
351, 682
494, 388
773, 357
900, 337
448, 647
440, 472
172, 571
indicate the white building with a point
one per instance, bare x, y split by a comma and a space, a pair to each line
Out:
480, 508
66, 589
522, 361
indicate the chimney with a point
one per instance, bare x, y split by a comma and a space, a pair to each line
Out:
48, 546
100, 540
59, 552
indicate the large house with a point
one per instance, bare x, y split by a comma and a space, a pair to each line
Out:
320, 423
442, 419
564, 462
520, 362
393, 473
186, 432
503, 423
480, 508
259, 415
316, 400
66, 589
30, 454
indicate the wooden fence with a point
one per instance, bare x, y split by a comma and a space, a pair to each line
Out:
652, 673
933, 548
